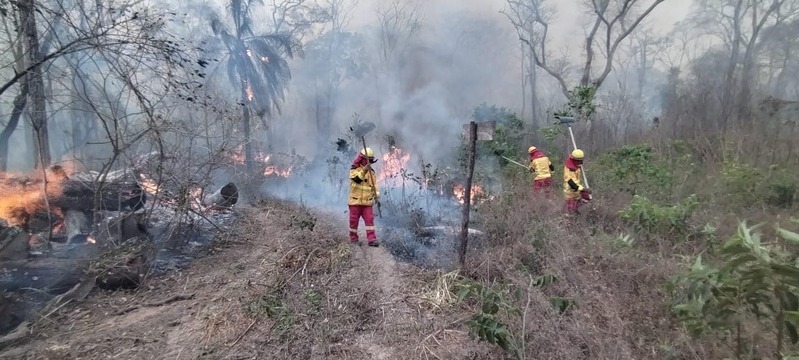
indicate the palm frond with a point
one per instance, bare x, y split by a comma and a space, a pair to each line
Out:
282, 42
217, 26
233, 70
238, 12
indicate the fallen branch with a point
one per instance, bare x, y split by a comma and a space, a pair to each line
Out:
244, 333
170, 300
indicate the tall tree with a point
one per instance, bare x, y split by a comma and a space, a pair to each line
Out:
739, 24
256, 64
38, 111
612, 21
21, 99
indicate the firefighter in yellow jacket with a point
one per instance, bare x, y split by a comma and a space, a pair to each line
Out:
363, 194
573, 189
542, 167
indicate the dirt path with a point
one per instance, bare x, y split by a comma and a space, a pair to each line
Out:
270, 291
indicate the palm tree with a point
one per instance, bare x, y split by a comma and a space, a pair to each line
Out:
256, 64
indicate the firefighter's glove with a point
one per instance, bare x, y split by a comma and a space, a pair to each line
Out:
585, 195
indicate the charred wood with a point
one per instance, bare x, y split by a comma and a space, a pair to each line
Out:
116, 196
50, 275
226, 196
124, 267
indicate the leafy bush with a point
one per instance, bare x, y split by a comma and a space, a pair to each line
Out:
781, 190
581, 103
739, 184
743, 186
649, 218
634, 169
486, 323
755, 280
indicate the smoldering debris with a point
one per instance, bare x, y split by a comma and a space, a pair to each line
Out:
433, 247
114, 247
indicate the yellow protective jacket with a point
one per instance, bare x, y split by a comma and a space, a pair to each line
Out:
363, 187
572, 185
541, 166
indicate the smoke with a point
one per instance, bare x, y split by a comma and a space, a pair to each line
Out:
416, 72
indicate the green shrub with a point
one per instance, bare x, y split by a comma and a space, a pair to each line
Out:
781, 190
744, 186
648, 218
739, 183
634, 169
486, 323
755, 280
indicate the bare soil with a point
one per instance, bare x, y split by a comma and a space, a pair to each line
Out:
275, 289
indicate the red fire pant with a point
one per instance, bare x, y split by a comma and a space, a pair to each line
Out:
573, 205
356, 212
543, 186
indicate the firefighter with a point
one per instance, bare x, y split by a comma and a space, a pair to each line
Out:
573, 189
542, 167
363, 194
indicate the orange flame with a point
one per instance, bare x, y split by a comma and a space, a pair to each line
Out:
272, 170
21, 196
237, 157
148, 184
394, 162
459, 192
251, 54
248, 90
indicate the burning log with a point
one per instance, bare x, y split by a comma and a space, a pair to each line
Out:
117, 195
226, 196
22, 201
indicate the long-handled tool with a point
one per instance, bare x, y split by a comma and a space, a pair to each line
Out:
360, 130
514, 162
568, 121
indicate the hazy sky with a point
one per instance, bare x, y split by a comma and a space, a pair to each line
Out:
567, 26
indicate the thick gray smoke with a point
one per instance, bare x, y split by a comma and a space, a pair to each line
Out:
418, 83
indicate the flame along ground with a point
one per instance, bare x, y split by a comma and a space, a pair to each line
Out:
394, 162
18, 199
269, 170
22, 196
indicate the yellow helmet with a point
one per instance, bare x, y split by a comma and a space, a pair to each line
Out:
369, 153
578, 154
531, 149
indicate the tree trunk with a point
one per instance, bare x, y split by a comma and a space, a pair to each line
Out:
38, 109
642, 73
467, 197
533, 80
13, 122
245, 128
729, 78
524, 78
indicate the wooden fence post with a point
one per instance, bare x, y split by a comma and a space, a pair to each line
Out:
467, 196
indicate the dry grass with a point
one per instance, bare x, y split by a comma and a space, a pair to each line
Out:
622, 305
280, 290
